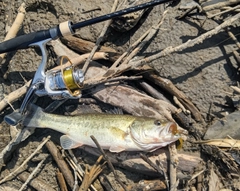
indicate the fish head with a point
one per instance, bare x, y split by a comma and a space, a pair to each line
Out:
151, 134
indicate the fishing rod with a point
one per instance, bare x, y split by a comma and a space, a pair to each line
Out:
63, 29
64, 83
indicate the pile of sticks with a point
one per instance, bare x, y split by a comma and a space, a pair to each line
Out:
107, 87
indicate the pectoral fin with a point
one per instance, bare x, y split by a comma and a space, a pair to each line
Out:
68, 143
116, 149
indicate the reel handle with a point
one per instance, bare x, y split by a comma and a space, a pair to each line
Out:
13, 118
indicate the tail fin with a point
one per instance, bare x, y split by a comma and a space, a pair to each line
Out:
33, 117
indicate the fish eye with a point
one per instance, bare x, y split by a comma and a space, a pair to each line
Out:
157, 122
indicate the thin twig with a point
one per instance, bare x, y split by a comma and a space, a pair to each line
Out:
129, 50
169, 50
234, 38
13, 174
108, 161
13, 96
150, 35
154, 166
75, 181
138, 45
32, 174
62, 165
220, 4
15, 27
74, 165
15, 140
226, 11
173, 167
235, 88
188, 44
160, 165
75, 161
177, 102
91, 175
99, 40
61, 181
37, 183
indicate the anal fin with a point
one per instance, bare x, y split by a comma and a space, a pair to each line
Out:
116, 149
68, 143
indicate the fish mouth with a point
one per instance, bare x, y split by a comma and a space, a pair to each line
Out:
176, 130
173, 129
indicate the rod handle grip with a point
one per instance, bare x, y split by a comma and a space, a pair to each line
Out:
23, 41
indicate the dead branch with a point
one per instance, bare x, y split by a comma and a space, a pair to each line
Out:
188, 44
237, 57
135, 64
75, 181
91, 175
152, 32
134, 162
74, 166
61, 50
158, 166
81, 59
30, 177
76, 59
99, 39
228, 143
234, 38
104, 181
147, 185
13, 173
83, 46
229, 7
129, 50
153, 165
195, 176
61, 181
77, 168
173, 167
177, 102
171, 88
75, 161
36, 183
108, 161
225, 11
13, 96
235, 88
220, 4
153, 92
235, 53
20, 136
133, 101
62, 165
15, 27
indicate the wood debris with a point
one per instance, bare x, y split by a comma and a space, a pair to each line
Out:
126, 80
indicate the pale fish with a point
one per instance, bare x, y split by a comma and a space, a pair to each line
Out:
113, 132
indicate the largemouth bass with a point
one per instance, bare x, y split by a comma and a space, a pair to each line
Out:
113, 132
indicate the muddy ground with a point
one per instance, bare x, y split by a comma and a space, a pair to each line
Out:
203, 72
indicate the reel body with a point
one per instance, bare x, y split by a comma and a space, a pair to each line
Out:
63, 83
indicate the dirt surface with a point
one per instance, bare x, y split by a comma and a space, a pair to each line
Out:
203, 72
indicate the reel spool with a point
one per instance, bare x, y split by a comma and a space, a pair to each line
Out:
65, 82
